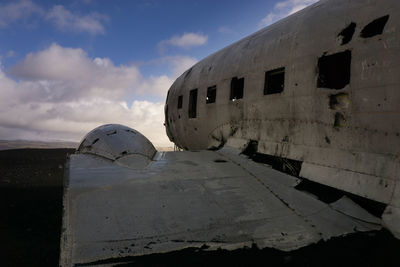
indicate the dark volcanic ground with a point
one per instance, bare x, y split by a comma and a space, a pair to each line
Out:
31, 191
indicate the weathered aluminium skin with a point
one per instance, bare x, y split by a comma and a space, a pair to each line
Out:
347, 138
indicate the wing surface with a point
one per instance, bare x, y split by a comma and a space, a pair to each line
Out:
220, 199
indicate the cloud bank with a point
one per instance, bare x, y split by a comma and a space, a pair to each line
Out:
187, 40
67, 21
64, 19
283, 9
61, 93
17, 11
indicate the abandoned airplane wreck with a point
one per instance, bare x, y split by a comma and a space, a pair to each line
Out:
290, 136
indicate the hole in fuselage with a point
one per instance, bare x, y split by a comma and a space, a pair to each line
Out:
211, 94
237, 86
274, 81
193, 103
375, 27
334, 70
347, 33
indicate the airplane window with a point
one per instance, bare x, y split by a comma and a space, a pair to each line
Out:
375, 27
193, 103
180, 100
236, 88
211, 94
347, 33
166, 115
274, 81
334, 70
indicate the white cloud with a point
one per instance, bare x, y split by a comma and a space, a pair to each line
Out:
186, 41
61, 93
18, 10
65, 20
179, 64
283, 9
59, 73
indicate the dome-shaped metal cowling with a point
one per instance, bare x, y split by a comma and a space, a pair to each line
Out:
115, 142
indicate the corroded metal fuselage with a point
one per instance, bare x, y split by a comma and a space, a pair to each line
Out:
321, 86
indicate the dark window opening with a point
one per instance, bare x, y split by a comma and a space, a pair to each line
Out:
236, 88
180, 101
375, 27
334, 70
347, 33
193, 103
274, 81
166, 115
211, 94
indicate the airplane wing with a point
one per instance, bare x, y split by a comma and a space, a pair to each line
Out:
124, 199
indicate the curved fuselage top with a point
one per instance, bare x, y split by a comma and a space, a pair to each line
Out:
321, 86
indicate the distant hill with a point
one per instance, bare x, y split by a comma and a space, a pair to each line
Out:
16, 144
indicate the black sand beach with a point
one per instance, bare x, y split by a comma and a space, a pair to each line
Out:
31, 188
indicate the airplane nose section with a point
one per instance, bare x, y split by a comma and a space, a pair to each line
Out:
118, 143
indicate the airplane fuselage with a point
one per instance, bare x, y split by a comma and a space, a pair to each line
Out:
320, 87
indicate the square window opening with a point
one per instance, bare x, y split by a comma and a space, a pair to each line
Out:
274, 81
193, 103
211, 94
237, 86
334, 70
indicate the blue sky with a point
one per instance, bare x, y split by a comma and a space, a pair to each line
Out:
69, 66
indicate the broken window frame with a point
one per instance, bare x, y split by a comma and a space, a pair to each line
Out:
211, 94
347, 33
237, 88
192, 110
274, 81
375, 27
334, 71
